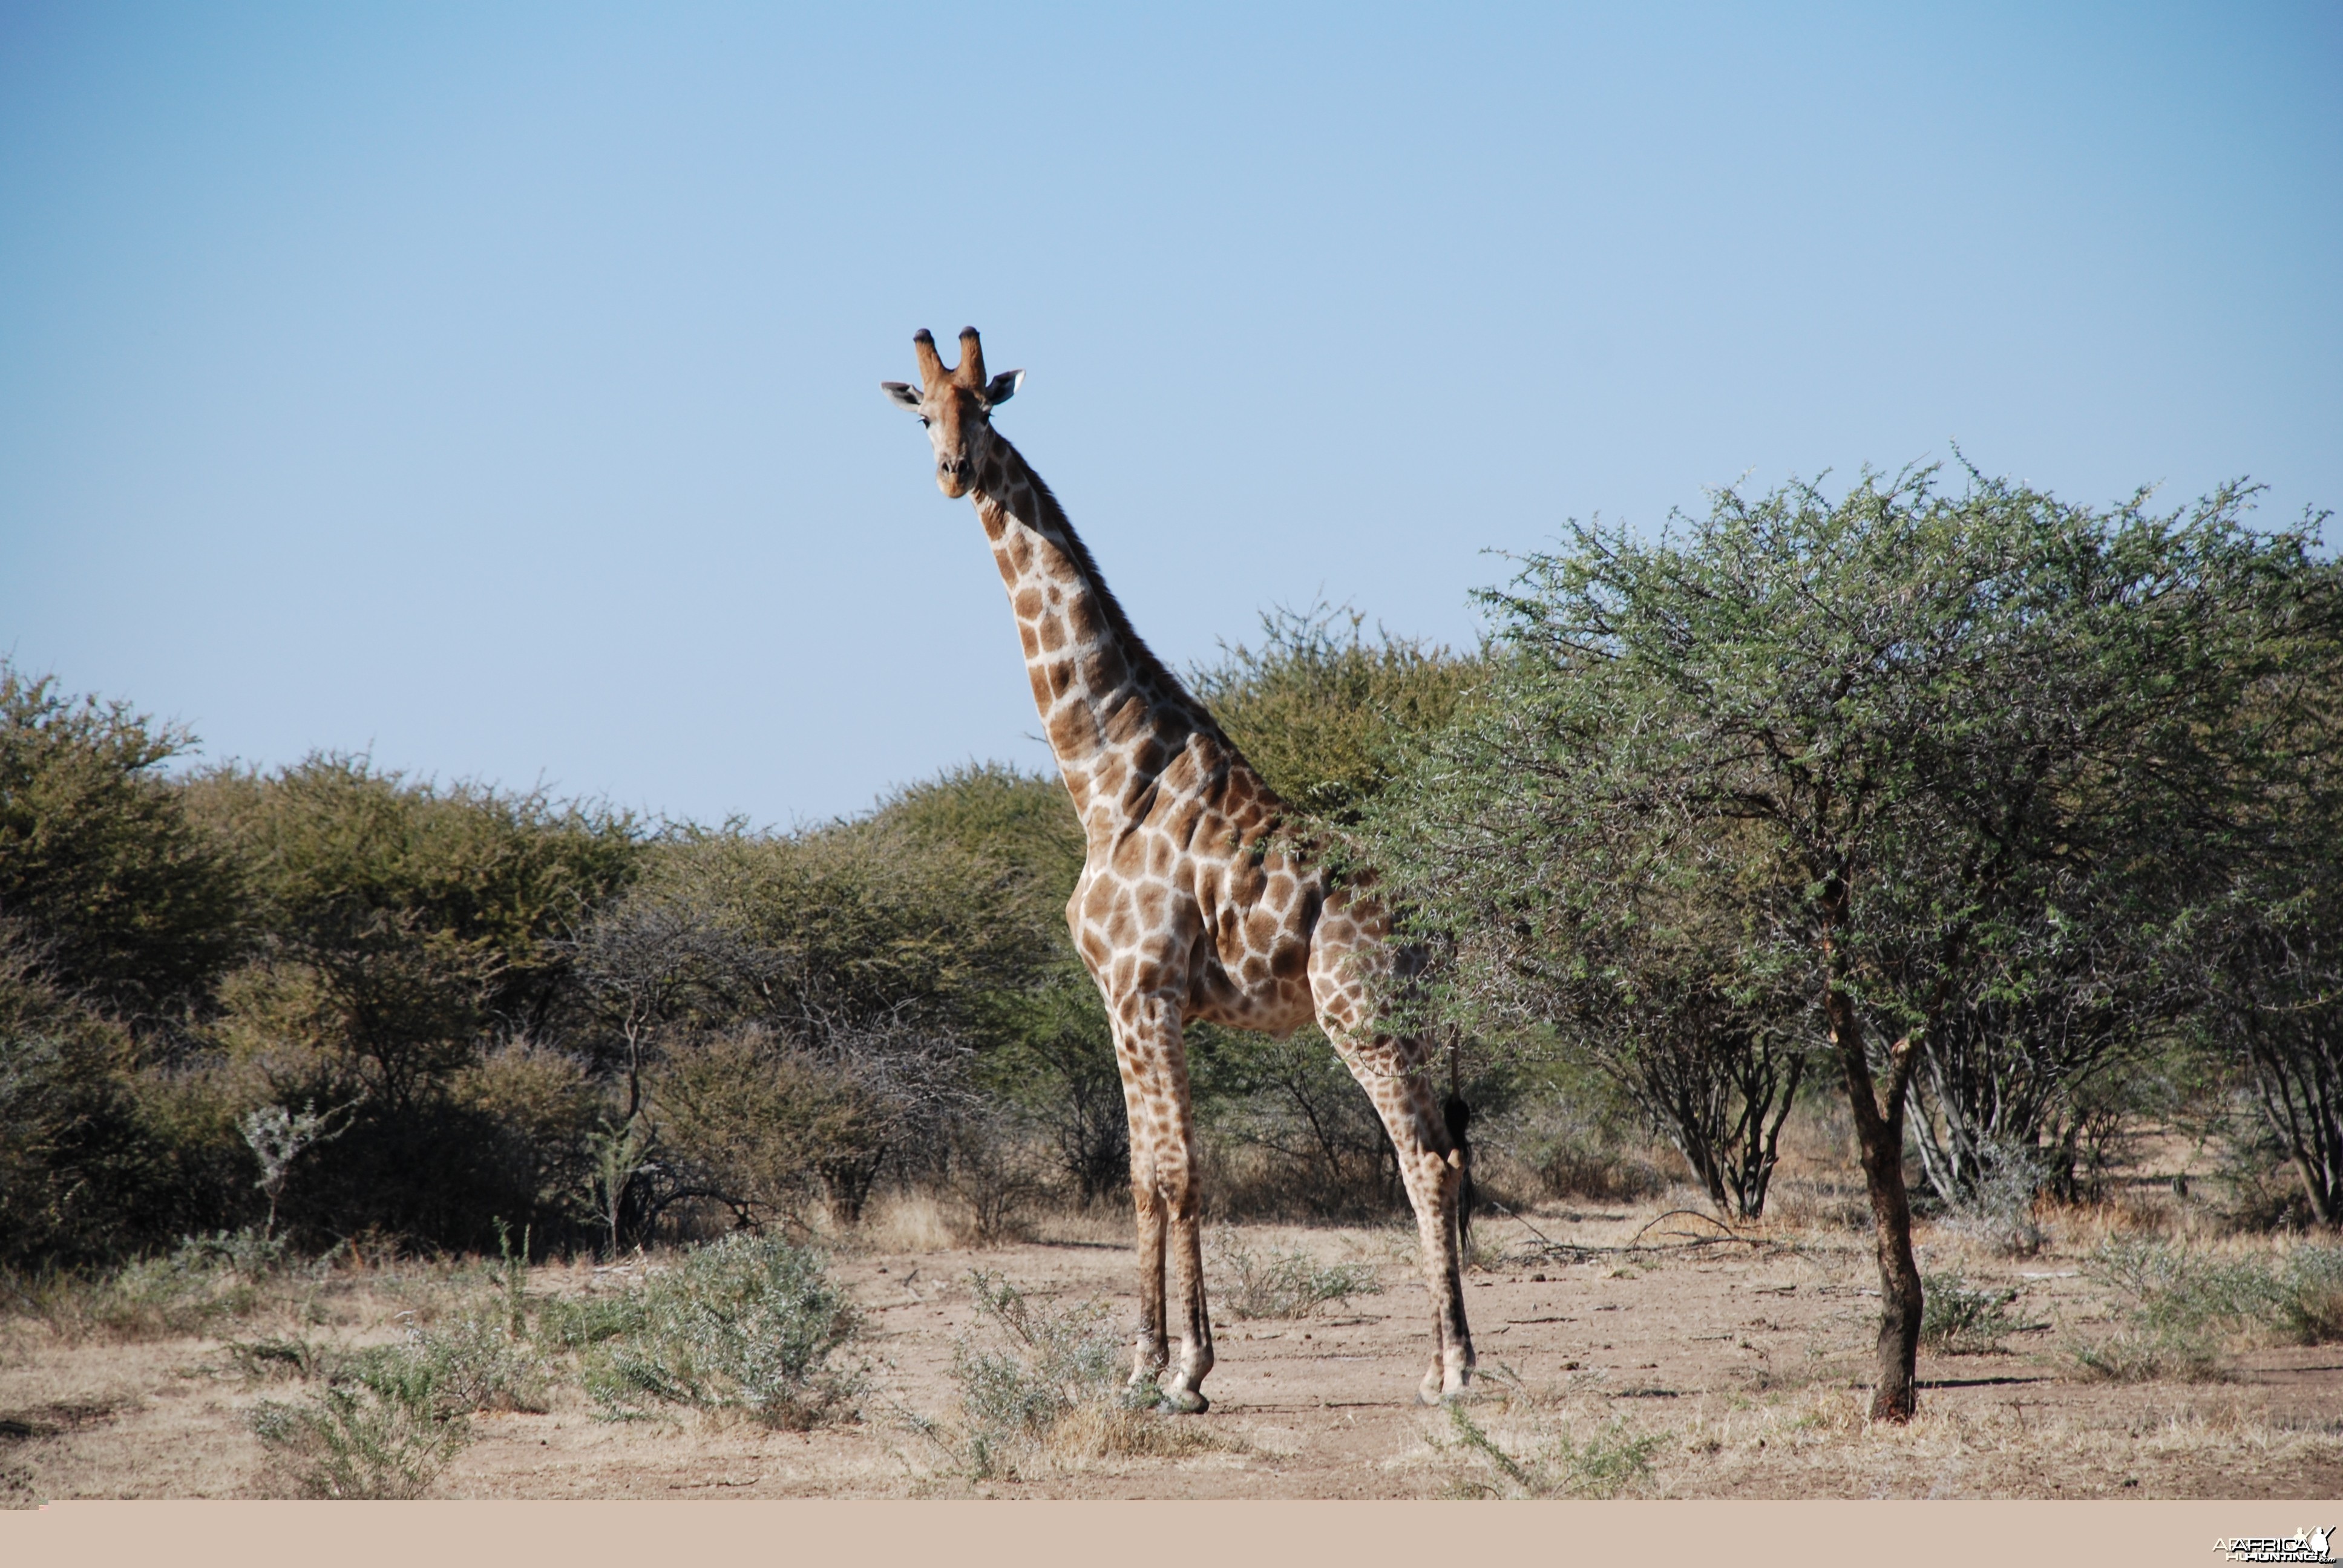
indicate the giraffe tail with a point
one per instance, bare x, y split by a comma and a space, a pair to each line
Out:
1459, 1117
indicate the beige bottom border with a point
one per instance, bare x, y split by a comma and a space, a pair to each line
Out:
950, 1534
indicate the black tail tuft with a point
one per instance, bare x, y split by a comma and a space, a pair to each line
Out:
1459, 1117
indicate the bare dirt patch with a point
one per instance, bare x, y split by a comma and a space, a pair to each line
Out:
1671, 1367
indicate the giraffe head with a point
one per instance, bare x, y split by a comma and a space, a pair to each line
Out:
956, 405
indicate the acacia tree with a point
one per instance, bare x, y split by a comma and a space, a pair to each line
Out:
1326, 714
2143, 725
127, 905
1935, 717
2275, 1008
2271, 943
1668, 995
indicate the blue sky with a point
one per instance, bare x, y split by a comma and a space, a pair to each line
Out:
492, 387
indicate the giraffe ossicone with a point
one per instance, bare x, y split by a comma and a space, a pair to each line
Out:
1189, 905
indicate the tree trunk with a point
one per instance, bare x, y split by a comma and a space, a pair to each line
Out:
1879, 1131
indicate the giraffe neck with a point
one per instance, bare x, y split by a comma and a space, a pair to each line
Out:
1111, 710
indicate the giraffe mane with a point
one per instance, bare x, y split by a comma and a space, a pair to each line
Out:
1141, 659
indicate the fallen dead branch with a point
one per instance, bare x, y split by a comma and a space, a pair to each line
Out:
1548, 1250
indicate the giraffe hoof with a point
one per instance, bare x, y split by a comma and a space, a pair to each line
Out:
1186, 1402
1440, 1386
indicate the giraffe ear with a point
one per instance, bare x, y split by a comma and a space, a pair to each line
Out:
899, 392
1002, 387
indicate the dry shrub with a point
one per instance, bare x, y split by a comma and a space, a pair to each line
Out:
549, 1105
1960, 1318
1282, 1283
2164, 1354
1099, 1431
1809, 1203
2185, 1308
996, 1181
1545, 1455
2311, 1306
389, 1419
204, 1281
1566, 1150
1044, 1384
757, 1117
1998, 1209
377, 1438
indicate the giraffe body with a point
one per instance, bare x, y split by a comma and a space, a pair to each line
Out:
1187, 906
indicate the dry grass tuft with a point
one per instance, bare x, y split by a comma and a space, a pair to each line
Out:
1554, 1444
906, 1222
1100, 1430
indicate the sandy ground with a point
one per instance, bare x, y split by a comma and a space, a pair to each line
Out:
1743, 1365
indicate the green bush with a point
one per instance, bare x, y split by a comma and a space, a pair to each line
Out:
2182, 1310
474, 1363
2310, 1295
1025, 1368
1321, 711
749, 1323
381, 1435
129, 903
391, 1417
2137, 1354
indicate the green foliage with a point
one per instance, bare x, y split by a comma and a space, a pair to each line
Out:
73, 1163
386, 1432
769, 1124
284, 1356
403, 919
2046, 794
2182, 1308
1285, 1283
1044, 1046
854, 922
185, 1290
1956, 774
1894, 733
476, 1362
576, 1322
1323, 714
1318, 1149
747, 1324
120, 897
1025, 1368
1024, 822
1962, 1319
410, 947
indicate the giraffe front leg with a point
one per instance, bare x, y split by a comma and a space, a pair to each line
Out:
1184, 1390
1164, 1189
1151, 1351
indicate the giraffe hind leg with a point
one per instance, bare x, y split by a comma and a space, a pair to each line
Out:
1393, 1075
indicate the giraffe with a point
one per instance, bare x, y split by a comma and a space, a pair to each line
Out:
1189, 905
